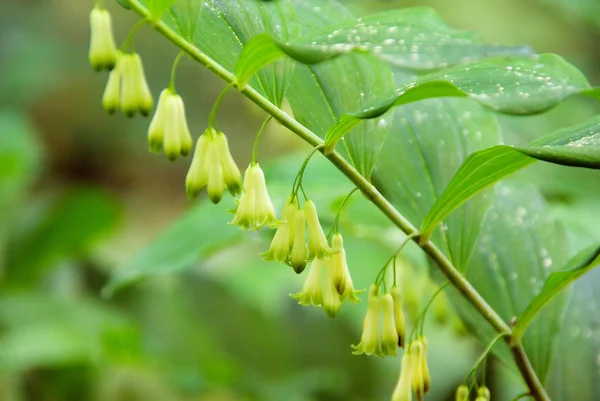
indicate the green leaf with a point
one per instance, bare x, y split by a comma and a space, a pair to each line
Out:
573, 146
508, 85
580, 264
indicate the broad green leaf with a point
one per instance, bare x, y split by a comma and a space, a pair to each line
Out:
574, 146
519, 247
510, 85
415, 38
580, 264
72, 225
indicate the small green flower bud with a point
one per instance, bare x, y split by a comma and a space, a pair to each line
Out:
112, 93
311, 293
142, 91
403, 391
484, 392
168, 129
231, 173
298, 256
331, 298
317, 242
135, 93
254, 209
398, 315
185, 138
425, 367
103, 51
389, 336
369, 341
156, 131
462, 393
171, 143
280, 245
418, 385
343, 279
197, 176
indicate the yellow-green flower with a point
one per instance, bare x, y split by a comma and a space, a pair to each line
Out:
403, 391
398, 315
254, 208
343, 280
389, 336
231, 172
331, 298
197, 176
135, 93
425, 367
462, 393
216, 185
281, 243
418, 381
369, 341
103, 51
111, 99
312, 293
168, 129
298, 255
484, 392
317, 242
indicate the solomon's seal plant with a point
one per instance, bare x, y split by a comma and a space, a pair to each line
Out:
365, 93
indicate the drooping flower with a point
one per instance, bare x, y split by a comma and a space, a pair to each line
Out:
103, 51
168, 129
389, 335
484, 392
317, 242
298, 255
462, 393
369, 341
312, 292
331, 298
216, 184
254, 209
398, 315
283, 239
403, 391
135, 93
343, 280
231, 172
425, 366
418, 381
111, 99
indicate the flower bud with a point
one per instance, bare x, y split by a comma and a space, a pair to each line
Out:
215, 186
403, 391
280, 245
135, 93
254, 209
231, 173
311, 293
156, 131
418, 385
171, 142
369, 341
317, 242
103, 51
168, 129
484, 392
298, 256
398, 315
197, 176
331, 299
343, 280
462, 393
186, 143
425, 367
112, 93
389, 336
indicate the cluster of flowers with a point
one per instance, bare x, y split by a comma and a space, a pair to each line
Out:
462, 394
414, 374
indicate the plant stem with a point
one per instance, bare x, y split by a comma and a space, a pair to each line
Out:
174, 70
453, 275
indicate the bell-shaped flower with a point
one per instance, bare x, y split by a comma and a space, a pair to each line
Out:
281, 244
231, 172
317, 241
398, 315
343, 280
418, 380
484, 392
403, 391
103, 51
312, 292
216, 184
197, 176
369, 341
254, 208
135, 93
298, 255
331, 298
462, 393
389, 335
168, 129
425, 366
111, 99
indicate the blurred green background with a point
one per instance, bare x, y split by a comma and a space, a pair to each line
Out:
81, 198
